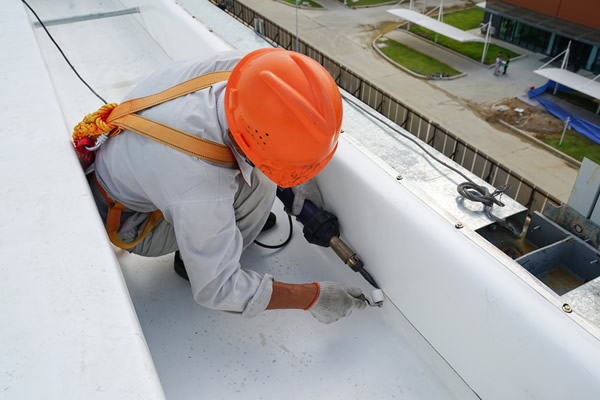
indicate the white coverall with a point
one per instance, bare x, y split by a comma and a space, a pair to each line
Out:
211, 213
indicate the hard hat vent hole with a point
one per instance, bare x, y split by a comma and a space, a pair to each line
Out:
257, 136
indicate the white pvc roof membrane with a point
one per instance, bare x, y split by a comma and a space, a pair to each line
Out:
79, 325
572, 80
435, 25
84, 320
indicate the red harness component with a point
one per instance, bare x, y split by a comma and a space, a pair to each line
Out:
86, 157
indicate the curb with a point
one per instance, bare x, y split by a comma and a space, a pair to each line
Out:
403, 68
570, 160
387, 3
323, 8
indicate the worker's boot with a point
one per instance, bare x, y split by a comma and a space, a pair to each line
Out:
180, 266
271, 220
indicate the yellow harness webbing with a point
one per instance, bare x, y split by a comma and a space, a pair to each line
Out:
123, 117
113, 220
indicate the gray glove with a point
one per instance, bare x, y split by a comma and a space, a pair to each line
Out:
335, 301
306, 191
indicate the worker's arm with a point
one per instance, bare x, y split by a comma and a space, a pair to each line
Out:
327, 301
287, 295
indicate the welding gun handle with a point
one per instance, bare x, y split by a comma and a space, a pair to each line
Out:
319, 225
287, 198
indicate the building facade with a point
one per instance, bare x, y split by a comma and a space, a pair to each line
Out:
547, 27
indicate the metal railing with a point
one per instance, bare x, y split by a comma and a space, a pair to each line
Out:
478, 163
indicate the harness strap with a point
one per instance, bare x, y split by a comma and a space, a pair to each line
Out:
187, 87
113, 220
178, 140
125, 118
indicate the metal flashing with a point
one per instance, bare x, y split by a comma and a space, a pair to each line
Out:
88, 17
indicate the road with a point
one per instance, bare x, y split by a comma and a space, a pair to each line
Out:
346, 35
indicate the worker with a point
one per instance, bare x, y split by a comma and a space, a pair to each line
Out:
279, 113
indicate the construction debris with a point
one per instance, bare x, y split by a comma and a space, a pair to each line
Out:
523, 116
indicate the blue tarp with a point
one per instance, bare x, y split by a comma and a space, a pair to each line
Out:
549, 85
581, 125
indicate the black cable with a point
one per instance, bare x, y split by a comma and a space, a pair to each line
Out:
469, 190
61, 52
278, 246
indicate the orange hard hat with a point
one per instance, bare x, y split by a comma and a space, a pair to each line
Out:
285, 113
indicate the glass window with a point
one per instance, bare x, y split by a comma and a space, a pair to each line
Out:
596, 65
560, 44
517, 35
510, 28
580, 52
525, 40
541, 40
506, 29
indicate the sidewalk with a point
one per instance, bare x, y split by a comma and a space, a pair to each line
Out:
346, 35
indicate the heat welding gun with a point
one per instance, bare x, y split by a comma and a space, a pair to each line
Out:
322, 228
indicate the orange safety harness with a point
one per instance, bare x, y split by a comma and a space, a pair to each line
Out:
112, 119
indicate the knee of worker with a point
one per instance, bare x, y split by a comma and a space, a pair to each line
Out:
159, 242
252, 205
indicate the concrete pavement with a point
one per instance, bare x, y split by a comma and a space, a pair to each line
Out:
346, 35
518, 79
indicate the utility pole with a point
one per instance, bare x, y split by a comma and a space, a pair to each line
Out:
297, 1
487, 38
440, 12
564, 130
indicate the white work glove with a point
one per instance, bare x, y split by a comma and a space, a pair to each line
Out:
335, 301
306, 191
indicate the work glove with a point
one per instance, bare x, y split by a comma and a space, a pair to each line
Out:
306, 191
335, 301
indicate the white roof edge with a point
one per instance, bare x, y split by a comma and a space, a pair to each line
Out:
70, 328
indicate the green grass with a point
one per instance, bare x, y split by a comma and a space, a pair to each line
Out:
365, 2
415, 61
312, 3
465, 20
575, 145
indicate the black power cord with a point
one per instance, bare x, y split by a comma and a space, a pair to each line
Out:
62, 53
278, 246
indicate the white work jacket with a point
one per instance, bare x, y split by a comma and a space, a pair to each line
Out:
194, 196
